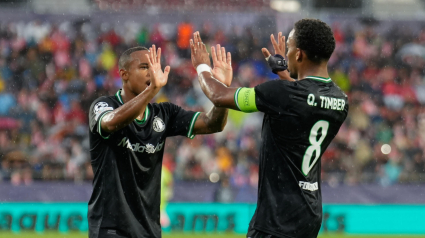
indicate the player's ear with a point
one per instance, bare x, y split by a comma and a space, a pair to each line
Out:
123, 74
299, 55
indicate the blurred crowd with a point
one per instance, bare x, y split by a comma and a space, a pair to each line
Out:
50, 73
382, 140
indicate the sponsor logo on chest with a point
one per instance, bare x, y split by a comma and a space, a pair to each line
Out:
148, 148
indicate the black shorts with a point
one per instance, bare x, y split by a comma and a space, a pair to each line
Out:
111, 233
258, 234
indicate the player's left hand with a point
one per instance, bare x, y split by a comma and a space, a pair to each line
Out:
198, 50
222, 65
279, 46
159, 78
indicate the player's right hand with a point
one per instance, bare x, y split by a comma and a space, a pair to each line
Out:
279, 46
198, 51
222, 65
159, 78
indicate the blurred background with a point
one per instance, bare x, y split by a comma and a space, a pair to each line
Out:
57, 56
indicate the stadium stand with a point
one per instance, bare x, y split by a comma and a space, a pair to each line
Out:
51, 72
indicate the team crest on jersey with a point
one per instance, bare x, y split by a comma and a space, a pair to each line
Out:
158, 124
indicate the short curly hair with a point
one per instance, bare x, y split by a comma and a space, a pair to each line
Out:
315, 38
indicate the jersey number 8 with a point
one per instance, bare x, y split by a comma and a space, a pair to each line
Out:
315, 145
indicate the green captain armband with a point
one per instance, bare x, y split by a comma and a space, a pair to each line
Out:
245, 100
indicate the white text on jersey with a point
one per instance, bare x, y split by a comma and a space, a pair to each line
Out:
308, 186
150, 149
332, 103
327, 102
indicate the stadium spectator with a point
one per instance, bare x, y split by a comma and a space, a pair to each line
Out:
51, 71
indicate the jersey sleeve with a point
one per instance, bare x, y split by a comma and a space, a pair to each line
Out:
268, 97
180, 122
99, 108
272, 96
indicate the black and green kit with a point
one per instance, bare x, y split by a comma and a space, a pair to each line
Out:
127, 168
300, 120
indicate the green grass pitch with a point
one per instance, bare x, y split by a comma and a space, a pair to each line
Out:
180, 235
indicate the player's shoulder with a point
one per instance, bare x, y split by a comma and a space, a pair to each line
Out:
111, 99
322, 83
166, 108
273, 86
333, 90
339, 91
165, 105
105, 102
275, 82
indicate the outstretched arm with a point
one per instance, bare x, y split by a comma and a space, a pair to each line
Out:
215, 120
210, 122
124, 115
220, 94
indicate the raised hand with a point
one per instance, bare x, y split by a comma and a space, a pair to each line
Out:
199, 53
159, 78
222, 65
279, 46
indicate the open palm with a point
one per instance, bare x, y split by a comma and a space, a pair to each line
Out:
279, 46
222, 65
159, 78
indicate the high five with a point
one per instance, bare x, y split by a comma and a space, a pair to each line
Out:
296, 129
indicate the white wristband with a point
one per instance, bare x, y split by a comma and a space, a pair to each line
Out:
203, 68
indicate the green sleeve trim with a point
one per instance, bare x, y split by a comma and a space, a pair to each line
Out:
99, 128
192, 124
246, 100
236, 98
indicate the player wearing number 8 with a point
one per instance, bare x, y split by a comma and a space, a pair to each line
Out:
301, 117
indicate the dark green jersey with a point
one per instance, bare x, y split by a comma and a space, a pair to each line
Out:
127, 168
301, 119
